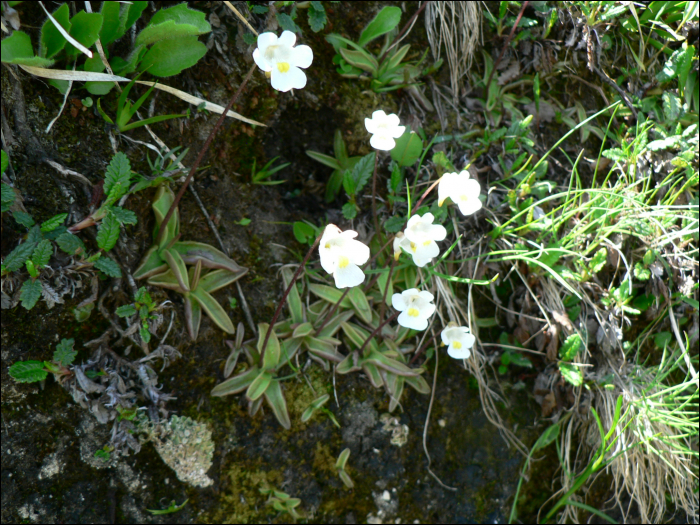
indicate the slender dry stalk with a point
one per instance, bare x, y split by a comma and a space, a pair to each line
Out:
457, 25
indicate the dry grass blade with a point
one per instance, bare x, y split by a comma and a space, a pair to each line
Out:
458, 26
65, 34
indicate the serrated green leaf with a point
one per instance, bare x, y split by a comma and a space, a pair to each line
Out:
570, 347
108, 267
85, 28
52, 41
408, 149
671, 105
53, 223
670, 69
70, 244
124, 216
598, 261
662, 144
16, 258
615, 154
349, 211
394, 224
169, 57
286, 23
23, 218
641, 273
64, 354
386, 20
42, 253
182, 14
112, 23
126, 310
317, 17
108, 232
363, 171
8, 197
4, 163
571, 374
145, 334
118, 174
30, 293
28, 371
133, 13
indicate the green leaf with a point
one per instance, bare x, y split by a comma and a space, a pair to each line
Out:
113, 23
394, 224
144, 333
64, 354
671, 105
126, 311
361, 60
214, 310
397, 178
598, 261
349, 211
293, 299
177, 266
23, 218
670, 69
324, 159
237, 383
8, 196
303, 232
17, 49
641, 273
317, 17
615, 154
70, 243
5, 164
547, 437
571, 374
168, 29
85, 28
386, 20
363, 171
133, 13
286, 23
28, 371
124, 216
408, 149
329, 293
16, 258
570, 347
168, 57
360, 304
108, 267
662, 339
108, 232
275, 398
259, 385
42, 253
30, 294
52, 41
53, 223
118, 175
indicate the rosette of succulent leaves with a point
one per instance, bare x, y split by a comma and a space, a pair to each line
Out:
319, 329
384, 70
165, 264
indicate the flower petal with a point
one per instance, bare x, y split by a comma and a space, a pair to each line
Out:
349, 276
470, 206
287, 39
292, 79
266, 40
260, 60
428, 311
396, 131
415, 323
371, 125
462, 353
357, 252
302, 56
329, 259
382, 142
393, 120
425, 295
398, 302
437, 232
379, 116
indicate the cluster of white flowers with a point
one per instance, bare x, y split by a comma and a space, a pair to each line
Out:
341, 254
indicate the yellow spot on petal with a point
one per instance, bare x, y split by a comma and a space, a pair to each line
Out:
413, 312
427, 243
283, 67
413, 246
440, 202
268, 74
463, 198
343, 261
457, 345
328, 246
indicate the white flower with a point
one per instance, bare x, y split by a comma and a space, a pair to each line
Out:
279, 57
419, 239
463, 191
458, 340
341, 255
384, 129
415, 307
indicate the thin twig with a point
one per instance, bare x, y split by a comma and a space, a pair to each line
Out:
376, 331
286, 293
408, 25
203, 151
241, 17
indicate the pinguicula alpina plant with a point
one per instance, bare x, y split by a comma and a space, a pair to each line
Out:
419, 238
463, 191
384, 129
279, 59
415, 306
341, 254
458, 340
